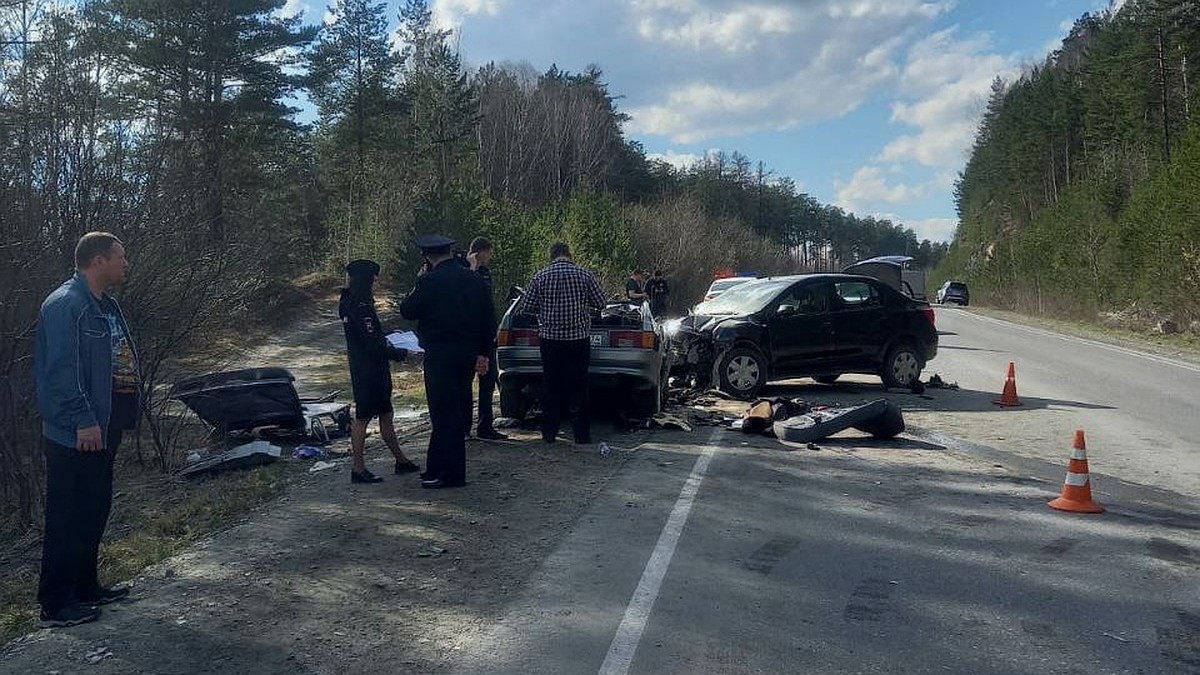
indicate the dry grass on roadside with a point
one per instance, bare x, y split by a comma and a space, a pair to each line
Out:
156, 516
152, 521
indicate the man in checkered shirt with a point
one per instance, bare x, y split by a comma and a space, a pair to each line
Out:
564, 296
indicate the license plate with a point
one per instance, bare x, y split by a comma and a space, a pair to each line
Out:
598, 339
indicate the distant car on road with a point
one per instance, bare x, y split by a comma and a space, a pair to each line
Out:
629, 355
953, 292
819, 326
721, 285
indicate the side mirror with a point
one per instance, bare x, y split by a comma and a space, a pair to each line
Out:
786, 310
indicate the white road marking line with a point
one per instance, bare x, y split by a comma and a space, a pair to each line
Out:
637, 613
1093, 343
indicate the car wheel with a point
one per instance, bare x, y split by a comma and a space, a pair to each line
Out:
513, 403
901, 367
827, 379
742, 372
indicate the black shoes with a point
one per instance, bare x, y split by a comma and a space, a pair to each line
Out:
107, 596
365, 476
70, 616
438, 484
406, 467
490, 435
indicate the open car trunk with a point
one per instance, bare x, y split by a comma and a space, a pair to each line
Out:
244, 400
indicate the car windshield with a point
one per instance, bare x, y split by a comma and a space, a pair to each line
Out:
745, 299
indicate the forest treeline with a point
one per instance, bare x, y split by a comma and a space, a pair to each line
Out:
175, 124
1081, 193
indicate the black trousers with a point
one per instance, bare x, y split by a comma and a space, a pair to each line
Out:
79, 490
487, 391
565, 378
449, 371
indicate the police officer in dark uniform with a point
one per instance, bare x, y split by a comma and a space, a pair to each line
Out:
370, 373
457, 326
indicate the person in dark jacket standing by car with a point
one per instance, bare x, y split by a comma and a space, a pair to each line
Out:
457, 326
369, 353
88, 390
658, 290
563, 296
635, 287
479, 256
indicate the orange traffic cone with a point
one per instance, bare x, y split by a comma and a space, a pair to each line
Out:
1009, 398
1077, 489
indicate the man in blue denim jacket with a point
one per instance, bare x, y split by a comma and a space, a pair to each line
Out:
88, 388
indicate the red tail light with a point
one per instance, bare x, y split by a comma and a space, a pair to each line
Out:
633, 339
517, 338
928, 312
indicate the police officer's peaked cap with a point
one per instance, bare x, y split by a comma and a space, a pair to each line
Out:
363, 268
434, 244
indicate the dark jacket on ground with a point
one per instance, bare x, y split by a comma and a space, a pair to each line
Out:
452, 307
366, 346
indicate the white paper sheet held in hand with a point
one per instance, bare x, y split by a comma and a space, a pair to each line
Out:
406, 340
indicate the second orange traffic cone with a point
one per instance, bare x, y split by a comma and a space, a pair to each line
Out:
1077, 488
1009, 398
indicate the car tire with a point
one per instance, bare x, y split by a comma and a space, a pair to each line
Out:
827, 379
742, 371
901, 366
513, 403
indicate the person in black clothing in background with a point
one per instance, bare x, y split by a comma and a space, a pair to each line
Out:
480, 257
658, 290
635, 288
457, 326
370, 373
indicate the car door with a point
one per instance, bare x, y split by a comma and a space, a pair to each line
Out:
800, 328
860, 322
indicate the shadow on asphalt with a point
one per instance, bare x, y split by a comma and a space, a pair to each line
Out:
939, 399
872, 560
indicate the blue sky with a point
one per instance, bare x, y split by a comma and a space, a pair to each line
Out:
867, 104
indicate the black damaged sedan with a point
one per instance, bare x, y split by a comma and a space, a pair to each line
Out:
820, 326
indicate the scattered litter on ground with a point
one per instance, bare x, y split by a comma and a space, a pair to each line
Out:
506, 423
667, 421
764, 413
936, 382
309, 452
1118, 638
604, 449
243, 456
323, 466
98, 654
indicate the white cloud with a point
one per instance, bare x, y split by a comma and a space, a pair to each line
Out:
742, 67
943, 87
735, 30
292, 9
933, 229
679, 160
945, 83
449, 14
869, 186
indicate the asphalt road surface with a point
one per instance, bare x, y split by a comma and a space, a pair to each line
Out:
1141, 411
728, 553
